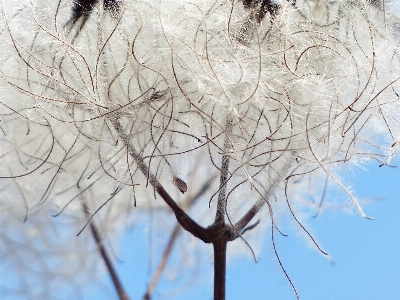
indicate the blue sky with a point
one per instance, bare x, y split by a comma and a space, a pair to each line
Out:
365, 254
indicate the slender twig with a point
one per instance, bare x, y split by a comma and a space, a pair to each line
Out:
103, 252
172, 239
167, 251
221, 206
250, 214
221, 240
183, 218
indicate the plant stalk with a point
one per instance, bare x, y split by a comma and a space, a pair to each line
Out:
219, 269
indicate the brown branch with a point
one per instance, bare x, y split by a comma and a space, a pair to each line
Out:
221, 206
153, 283
184, 219
103, 252
167, 251
219, 233
219, 269
242, 223
115, 279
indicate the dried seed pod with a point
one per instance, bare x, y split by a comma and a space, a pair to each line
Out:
180, 184
262, 7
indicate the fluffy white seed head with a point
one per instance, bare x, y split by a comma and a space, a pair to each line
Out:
289, 92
